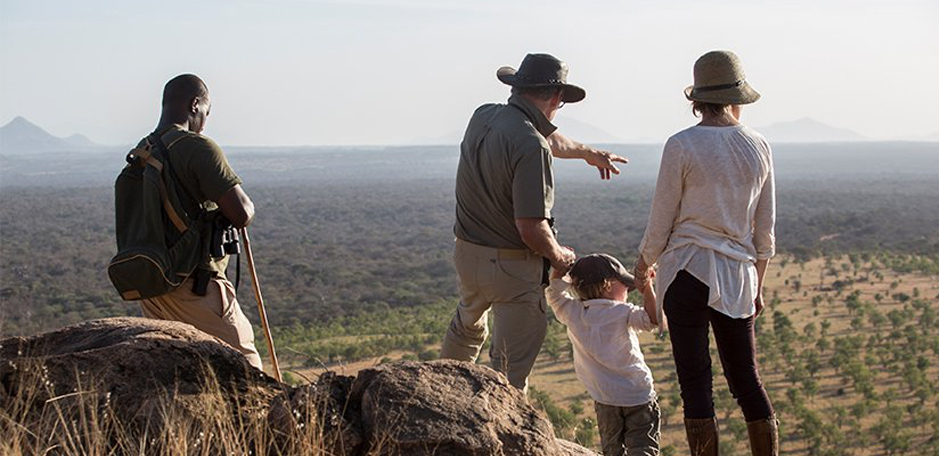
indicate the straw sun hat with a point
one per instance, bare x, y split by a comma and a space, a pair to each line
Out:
719, 79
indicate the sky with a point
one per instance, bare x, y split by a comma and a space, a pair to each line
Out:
371, 72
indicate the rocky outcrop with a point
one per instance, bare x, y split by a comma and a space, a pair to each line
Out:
448, 407
131, 366
326, 402
138, 369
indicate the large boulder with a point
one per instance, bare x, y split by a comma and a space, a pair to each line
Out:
132, 366
568, 448
157, 377
327, 402
448, 408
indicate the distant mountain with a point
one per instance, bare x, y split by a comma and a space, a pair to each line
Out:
808, 130
22, 137
572, 128
80, 140
584, 132
452, 138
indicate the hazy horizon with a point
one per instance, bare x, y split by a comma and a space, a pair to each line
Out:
326, 73
27, 140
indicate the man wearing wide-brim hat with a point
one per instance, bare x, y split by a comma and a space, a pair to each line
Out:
504, 227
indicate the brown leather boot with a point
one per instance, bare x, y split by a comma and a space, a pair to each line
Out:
702, 436
764, 437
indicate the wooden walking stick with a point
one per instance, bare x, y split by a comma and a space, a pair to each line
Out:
260, 300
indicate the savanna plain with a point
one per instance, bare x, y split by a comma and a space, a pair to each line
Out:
353, 249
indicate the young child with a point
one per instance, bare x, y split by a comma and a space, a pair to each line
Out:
603, 330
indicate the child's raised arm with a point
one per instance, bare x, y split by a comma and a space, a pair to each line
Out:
557, 297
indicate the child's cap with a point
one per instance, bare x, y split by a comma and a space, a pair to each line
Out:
598, 267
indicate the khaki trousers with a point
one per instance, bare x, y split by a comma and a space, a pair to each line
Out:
510, 283
631, 431
217, 313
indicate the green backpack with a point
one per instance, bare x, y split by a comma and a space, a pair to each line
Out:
159, 245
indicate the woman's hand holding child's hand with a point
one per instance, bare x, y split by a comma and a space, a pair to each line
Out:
648, 298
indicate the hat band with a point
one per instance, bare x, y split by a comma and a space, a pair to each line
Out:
525, 78
719, 87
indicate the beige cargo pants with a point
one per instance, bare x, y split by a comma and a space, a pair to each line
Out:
217, 313
510, 283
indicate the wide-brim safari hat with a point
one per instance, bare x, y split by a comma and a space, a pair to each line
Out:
719, 79
542, 70
598, 267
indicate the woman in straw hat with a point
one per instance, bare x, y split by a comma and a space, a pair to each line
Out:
711, 231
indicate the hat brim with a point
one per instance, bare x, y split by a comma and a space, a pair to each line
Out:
740, 95
572, 93
628, 280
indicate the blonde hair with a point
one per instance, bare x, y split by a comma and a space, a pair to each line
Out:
592, 276
595, 290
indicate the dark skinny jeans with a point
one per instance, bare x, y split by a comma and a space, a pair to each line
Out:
688, 313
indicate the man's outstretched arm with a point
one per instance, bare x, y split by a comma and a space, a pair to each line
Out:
605, 162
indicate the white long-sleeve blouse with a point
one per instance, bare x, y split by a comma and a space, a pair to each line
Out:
713, 214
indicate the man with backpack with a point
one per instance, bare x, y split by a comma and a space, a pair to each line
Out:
196, 168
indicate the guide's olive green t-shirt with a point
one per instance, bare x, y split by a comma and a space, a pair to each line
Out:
202, 169
505, 173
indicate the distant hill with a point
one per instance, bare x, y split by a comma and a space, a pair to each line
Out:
808, 130
572, 128
452, 138
585, 132
22, 137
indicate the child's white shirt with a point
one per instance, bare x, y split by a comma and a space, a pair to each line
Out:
607, 358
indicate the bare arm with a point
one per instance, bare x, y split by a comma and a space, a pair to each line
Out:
760, 273
537, 235
648, 303
643, 273
605, 162
236, 207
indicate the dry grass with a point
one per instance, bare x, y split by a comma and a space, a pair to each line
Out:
35, 420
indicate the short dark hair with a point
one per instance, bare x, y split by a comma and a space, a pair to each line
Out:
700, 108
183, 88
541, 93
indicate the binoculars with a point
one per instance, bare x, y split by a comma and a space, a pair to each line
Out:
225, 239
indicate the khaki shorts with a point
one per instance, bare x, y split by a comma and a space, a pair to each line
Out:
217, 313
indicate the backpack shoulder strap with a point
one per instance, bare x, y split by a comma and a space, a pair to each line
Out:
139, 155
150, 160
172, 171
